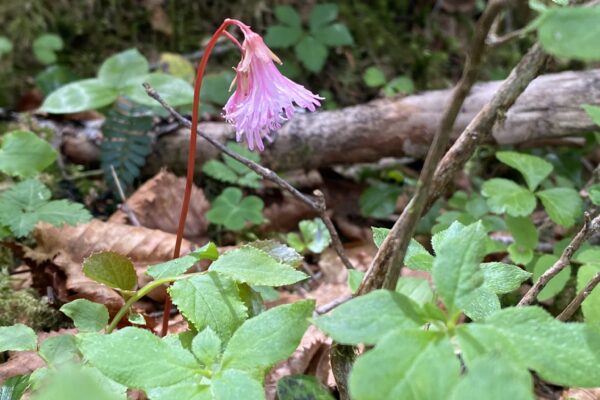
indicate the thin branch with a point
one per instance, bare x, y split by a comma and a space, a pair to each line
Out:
124, 207
495, 41
318, 203
325, 308
589, 228
581, 296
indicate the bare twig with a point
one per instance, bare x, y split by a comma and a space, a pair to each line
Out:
318, 203
325, 308
495, 41
124, 207
581, 296
589, 228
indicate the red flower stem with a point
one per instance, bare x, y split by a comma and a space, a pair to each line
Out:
192, 153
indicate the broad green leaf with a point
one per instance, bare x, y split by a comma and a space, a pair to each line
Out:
279, 251
173, 90
585, 255
379, 235
571, 32
137, 358
563, 205
593, 112
87, 94
296, 387
456, 272
322, 14
17, 338
532, 338
45, 47
215, 87
591, 305
255, 267
206, 346
112, 269
417, 257
503, 278
179, 66
416, 289
359, 320
268, 338
374, 77
334, 35
180, 265
379, 200
233, 212
505, 196
14, 387
282, 36
233, 384
519, 254
58, 350
355, 277
556, 284
86, 315
480, 304
594, 193
312, 53
494, 377
122, 68
210, 300
411, 365
534, 169
288, 15
53, 77
77, 382
523, 231
24, 154
315, 235
190, 389
476, 206
6, 45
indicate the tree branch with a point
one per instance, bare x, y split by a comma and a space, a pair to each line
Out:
581, 296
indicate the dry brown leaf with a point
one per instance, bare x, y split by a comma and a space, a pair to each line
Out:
66, 247
335, 272
581, 394
157, 204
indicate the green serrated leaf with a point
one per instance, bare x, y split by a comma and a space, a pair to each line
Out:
190, 389
505, 196
180, 265
210, 300
321, 15
411, 364
268, 338
219, 171
591, 305
556, 284
416, 289
59, 350
503, 278
288, 15
86, 315
17, 337
233, 212
24, 154
279, 251
359, 320
563, 205
311, 53
417, 257
379, 200
122, 68
296, 387
295, 241
523, 231
519, 254
206, 346
255, 267
355, 277
233, 384
282, 36
45, 47
87, 94
334, 35
112, 269
534, 169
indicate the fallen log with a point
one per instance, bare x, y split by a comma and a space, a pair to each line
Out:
402, 127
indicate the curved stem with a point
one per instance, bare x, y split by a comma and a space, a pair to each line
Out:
192, 156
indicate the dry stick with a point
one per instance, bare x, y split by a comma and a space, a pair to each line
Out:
317, 204
588, 229
581, 296
385, 267
126, 209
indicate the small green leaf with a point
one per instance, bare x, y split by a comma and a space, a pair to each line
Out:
312, 53
523, 231
178, 66
334, 35
315, 235
279, 251
355, 277
234, 384
288, 15
505, 196
86, 315
359, 320
255, 267
45, 47
297, 387
379, 200
215, 87
400, 84
417, 257
180, 265
17, 338
416, 289
233, 212
190, 389
112, 269
53, 77
137, 358
534, 169
594, 193
210, 300
6, 45
281, 36
556, 284
503, 278
24, 154
206, 346
571, 32
519, 254
374, 77
591, 305
379, 235
14, 387
87, 94
59, 350
411, 364
219, 171
136, 319
173, 90
322, 14
268, 338
480, 304
593, 112
120, 69
563, 205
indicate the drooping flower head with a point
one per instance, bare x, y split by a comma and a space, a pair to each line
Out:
263, 97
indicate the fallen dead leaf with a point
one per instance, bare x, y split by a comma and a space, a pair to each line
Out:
581, 394
335, 272
157, 204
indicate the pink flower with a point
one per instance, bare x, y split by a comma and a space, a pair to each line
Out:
263, 97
